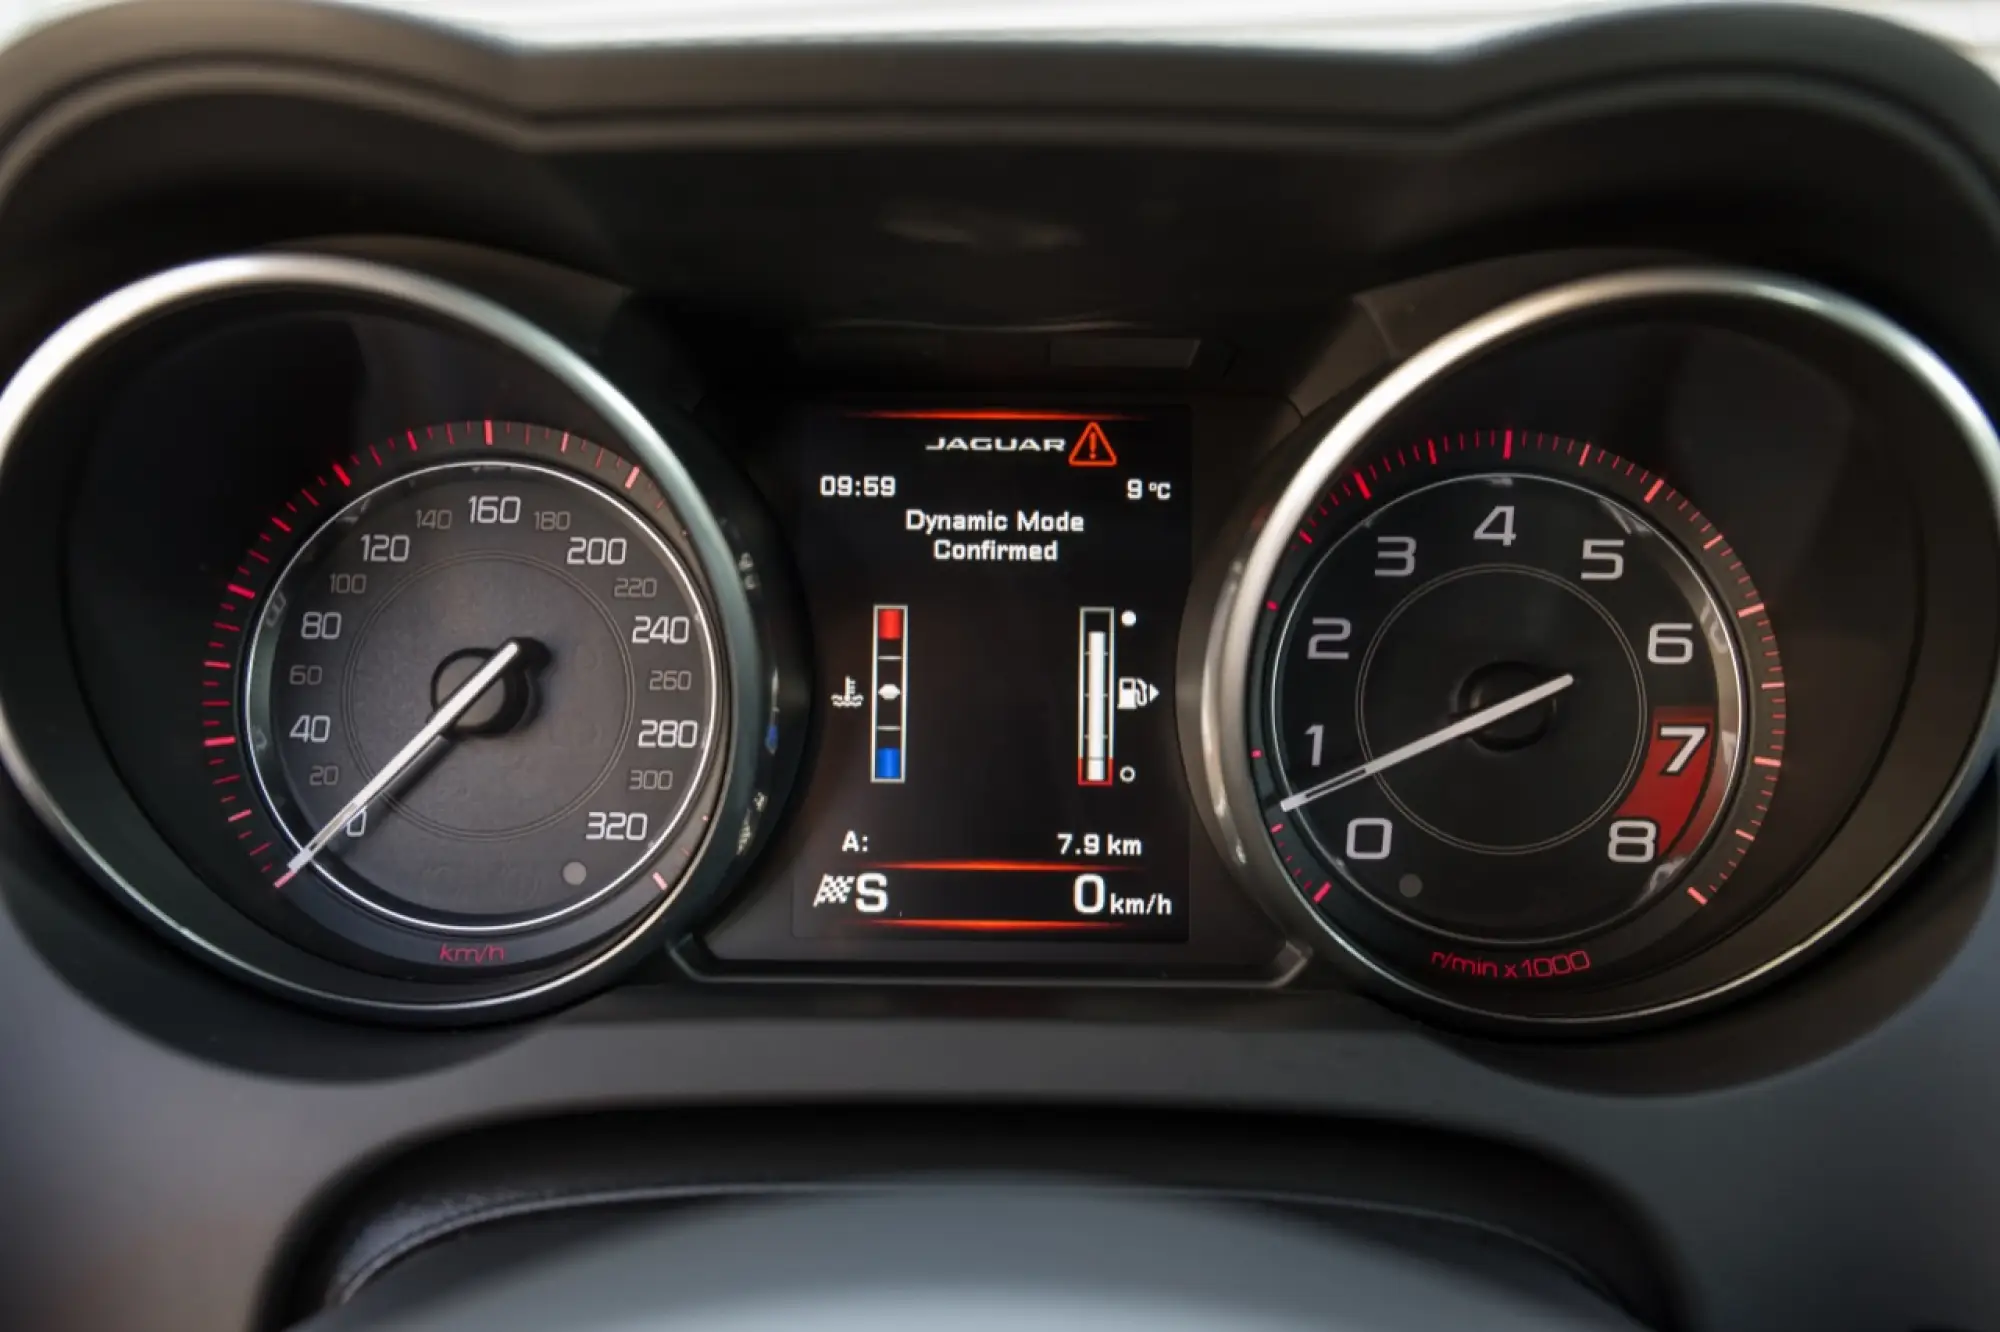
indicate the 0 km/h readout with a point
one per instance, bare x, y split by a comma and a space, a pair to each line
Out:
1522, 710
480, 695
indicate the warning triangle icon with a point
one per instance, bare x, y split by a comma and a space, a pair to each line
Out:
1093, 449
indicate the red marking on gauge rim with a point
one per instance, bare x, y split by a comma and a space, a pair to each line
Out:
1695, 893
1763, 762
412, 436
224, 781
1362, 482
1656, 489
1506, 445
1745, 836
1324, 889
217, 665
240, 814
217, 741
281, 524
489, 432
1303, 537
341, 472
1749, 610
242, 592
660, 880
632, 476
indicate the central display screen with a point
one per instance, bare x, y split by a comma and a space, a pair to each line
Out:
995, 598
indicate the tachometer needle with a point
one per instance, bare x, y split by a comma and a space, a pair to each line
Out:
1465, 725
456, 706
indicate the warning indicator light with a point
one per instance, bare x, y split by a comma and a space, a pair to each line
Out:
1093, 449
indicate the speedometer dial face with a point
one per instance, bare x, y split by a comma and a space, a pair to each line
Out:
479, 700
555, 781
1522, 708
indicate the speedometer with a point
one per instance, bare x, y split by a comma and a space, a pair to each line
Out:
480, 695
476, 708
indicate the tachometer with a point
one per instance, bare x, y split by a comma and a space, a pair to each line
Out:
1521, 709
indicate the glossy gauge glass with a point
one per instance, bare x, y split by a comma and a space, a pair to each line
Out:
1521, 708
480, 696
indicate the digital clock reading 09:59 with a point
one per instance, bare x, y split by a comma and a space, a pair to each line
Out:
857, 487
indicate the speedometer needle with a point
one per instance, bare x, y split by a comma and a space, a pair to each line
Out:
456, 706
1465, 725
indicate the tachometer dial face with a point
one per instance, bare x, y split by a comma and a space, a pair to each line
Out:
479, 697
1521, 709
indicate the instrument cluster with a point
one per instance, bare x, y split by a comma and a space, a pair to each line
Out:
1600, 660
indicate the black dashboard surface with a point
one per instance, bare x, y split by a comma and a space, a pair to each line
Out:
1238, 243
